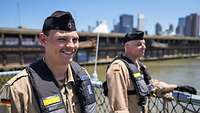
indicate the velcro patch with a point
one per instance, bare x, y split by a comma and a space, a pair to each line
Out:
53, 104
137, 74
51, 100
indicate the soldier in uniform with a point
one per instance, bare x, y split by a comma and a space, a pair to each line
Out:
128, 81
54, 83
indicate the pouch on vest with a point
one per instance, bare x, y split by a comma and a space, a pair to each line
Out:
141, 86
136, 77
84, 89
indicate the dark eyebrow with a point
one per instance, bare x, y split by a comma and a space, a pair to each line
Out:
76, 37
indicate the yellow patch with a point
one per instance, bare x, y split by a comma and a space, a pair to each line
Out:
51, 100
136, 75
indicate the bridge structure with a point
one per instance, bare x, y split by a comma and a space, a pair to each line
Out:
21, 46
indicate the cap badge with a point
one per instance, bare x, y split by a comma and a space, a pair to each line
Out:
69, 25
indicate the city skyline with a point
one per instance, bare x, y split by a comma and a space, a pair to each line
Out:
31, 14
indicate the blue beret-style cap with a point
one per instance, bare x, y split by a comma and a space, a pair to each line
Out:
137, 35
59, 20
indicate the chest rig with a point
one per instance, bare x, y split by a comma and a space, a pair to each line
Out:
47, 90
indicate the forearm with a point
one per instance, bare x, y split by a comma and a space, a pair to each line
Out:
163, 87
121, 111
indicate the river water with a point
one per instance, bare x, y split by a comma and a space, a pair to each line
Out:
181, 71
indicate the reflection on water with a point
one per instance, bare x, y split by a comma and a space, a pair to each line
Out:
182, 71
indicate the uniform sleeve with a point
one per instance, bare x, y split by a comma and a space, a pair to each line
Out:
117, 81
17, 102
5, 102
10, 100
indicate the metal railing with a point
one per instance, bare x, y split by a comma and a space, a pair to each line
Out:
183, 103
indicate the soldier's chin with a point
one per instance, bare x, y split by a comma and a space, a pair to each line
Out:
70, 60
67, 61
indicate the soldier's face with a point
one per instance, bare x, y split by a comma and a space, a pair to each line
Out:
135, 48
61, 46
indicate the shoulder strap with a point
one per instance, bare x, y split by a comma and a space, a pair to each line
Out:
145, 72
76, 68
84, 89
137, 79
129, 92
126, 61
128, 66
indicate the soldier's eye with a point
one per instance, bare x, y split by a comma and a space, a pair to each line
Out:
75, 40
62, 39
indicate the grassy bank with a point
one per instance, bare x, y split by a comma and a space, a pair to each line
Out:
101, 70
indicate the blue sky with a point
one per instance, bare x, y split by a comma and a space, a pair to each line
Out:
86, 12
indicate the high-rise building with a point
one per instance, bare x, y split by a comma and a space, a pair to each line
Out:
188, 26
169, 31
192, 25
140, 24
125, 24
102, 27
116, 28
171, 28
180, 27
90, 28
195, 25
158, 29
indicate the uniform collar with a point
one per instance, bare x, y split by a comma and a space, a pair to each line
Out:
69, 74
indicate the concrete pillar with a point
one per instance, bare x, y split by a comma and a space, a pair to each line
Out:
20, 40
3, 39
21, 57
4, 57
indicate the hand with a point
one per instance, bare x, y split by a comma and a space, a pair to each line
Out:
186, 88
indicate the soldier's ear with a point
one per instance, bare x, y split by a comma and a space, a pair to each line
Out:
42, 39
